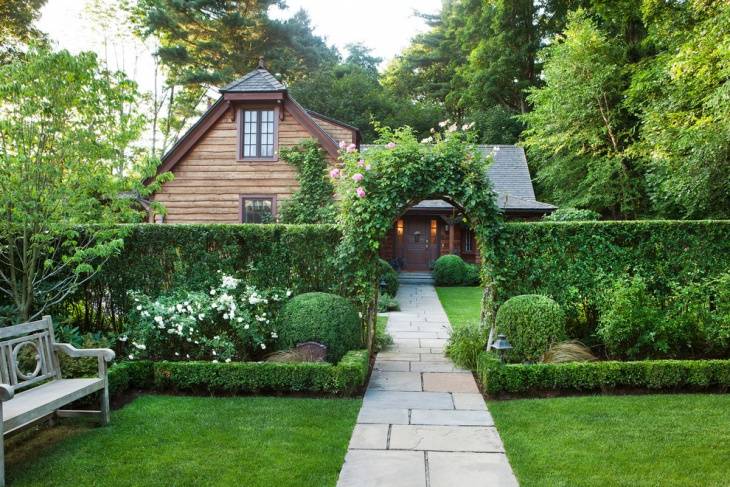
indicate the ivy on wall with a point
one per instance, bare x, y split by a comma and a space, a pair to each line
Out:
314, 201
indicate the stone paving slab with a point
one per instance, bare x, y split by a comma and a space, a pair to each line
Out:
395, 381
451, 418
449, 382
447, 469
423, 422
409, 400
383, 468
383, 416
369, 437
444, 438
469, 401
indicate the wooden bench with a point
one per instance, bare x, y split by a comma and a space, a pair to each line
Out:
32, 388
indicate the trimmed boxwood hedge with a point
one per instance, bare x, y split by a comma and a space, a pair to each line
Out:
539, 379
344, 378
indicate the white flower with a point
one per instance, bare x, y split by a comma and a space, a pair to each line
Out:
123, 338
179, 308
215, 361
212, 292
139, 346
263, 347
443, 123
177, 354
246, 327
228, 360
239, 319
189, 340
452, 128
225, 316
131, 357
139, 307
288, 293
158, 319
201, 316
274, 335
427, 140
229, 282
145, 314
171, 331
214, 353
187, 355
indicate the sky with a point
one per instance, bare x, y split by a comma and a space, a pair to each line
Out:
384, 25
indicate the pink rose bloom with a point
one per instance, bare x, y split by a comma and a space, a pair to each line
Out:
361, 163
351, 148
360, 192
335, 173
343, 144
391, 145
357, 177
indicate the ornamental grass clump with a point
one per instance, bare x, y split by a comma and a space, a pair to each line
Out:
323, 318
232, 321
532, 323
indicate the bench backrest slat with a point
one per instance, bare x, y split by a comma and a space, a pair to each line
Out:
33, 342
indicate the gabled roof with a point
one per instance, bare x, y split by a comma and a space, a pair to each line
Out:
510, 178
257, 81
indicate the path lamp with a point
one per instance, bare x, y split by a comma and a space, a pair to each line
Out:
502, 346
383, 286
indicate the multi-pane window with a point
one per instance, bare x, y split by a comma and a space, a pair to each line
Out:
468, 241
257, 210
258, 128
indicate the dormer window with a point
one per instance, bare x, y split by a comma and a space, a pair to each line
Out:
257, 132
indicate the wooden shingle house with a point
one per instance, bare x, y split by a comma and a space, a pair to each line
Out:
227, 170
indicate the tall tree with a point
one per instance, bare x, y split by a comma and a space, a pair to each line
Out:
211, 42
351, 92
579, 131
16, 27
682, 96
65, 138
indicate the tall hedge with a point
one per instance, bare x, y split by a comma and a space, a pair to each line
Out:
160, 258
574, 261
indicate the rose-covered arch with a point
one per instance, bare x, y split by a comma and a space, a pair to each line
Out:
377, 186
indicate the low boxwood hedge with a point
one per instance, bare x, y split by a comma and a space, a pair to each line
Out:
344, 378
538, 379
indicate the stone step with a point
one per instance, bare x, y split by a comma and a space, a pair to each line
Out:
416, 278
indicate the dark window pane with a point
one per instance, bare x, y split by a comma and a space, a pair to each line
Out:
258, 133
257, 210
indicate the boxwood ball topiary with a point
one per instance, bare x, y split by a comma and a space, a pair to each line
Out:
390, 276
321, 317
449, 270
532, 322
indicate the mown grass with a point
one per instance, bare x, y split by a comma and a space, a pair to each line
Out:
462, 304
652, 440
192, 441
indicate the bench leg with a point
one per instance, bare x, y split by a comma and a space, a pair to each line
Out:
105, 405
2, 448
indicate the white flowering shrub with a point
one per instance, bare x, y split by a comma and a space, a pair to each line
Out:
230, 322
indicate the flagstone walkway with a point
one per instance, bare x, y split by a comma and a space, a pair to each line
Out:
423, 422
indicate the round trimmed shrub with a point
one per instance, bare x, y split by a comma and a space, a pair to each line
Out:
320, 317
390, 276
532, 322
449, 270
471, 277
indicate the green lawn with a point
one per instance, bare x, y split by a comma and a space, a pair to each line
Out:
193, 441
657, 440
462, 304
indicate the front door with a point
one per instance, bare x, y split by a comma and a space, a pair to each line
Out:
416, 245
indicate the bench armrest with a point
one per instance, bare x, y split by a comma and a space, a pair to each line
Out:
6, 392
106, 353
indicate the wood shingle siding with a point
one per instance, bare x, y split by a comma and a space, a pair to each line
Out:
209, 179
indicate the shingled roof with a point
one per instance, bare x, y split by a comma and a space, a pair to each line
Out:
257, 81
510, 179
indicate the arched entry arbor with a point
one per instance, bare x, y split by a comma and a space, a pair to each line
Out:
376, 187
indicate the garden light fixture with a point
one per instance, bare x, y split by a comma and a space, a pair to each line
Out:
502, 346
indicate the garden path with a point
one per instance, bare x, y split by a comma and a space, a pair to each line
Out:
423, 422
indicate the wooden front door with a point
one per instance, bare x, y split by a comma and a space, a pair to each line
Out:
416, 244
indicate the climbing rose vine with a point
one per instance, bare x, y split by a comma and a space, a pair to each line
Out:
376, 186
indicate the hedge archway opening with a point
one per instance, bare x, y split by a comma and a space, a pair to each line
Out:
376, 187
